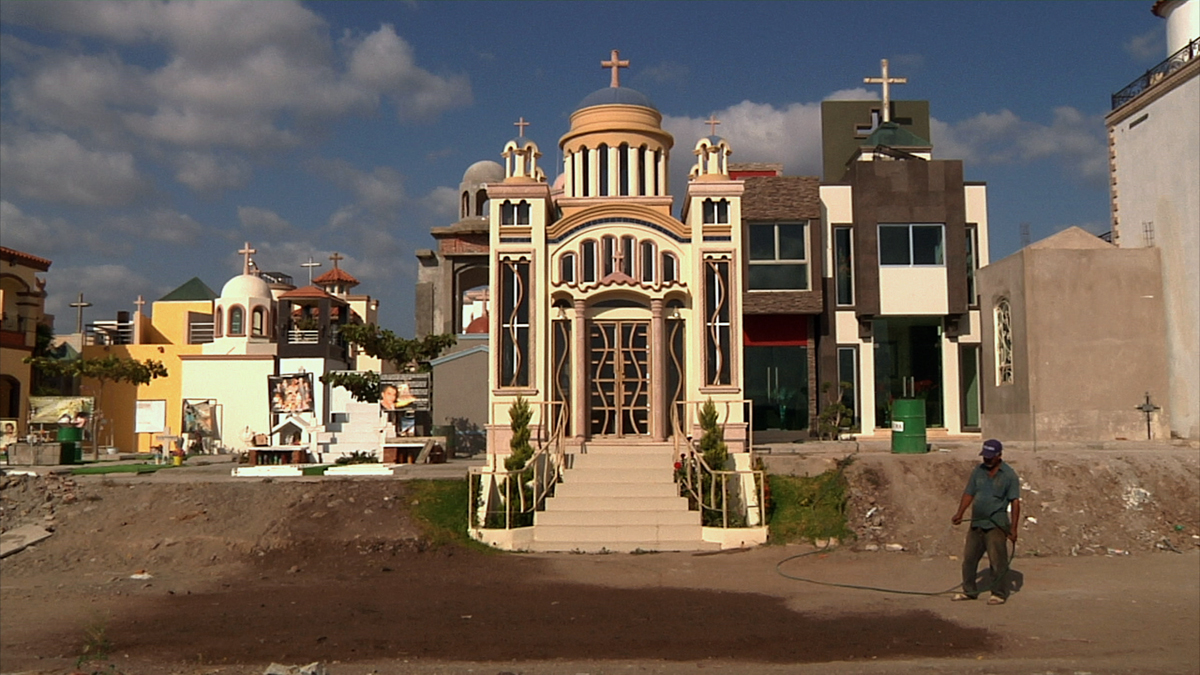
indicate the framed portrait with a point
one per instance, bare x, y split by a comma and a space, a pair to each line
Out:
200, 418
9, 432
291, 393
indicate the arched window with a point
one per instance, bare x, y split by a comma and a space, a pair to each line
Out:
588, 251
585, 166
566, 272
218, 322
237, 321
1004, 346
464, 209
641, 165
523, 213
716, 212
623, 169
258, 322
603, 170
648, 259
670, 267
608, 254
660, 178
626, 256
508, 213
481, 200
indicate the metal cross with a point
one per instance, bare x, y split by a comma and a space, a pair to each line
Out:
712, 123
520, 125
79, 315
335, 258
247, 252
310, 265
1147, 409
615, 63
885, 81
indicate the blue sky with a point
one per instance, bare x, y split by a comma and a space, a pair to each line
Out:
142, 142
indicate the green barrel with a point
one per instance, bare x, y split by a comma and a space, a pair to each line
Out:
68, 444
908, 426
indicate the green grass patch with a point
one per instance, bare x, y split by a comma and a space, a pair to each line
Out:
119, 468
440, 508
314, 470
808, 508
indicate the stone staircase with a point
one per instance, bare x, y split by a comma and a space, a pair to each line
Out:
619, 496
360, 429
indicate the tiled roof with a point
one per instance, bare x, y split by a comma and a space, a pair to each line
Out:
308, 292
774, 167
781, 198
28, 259
191, 290
336, 275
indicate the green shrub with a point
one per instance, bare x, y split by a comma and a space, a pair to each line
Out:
808, 508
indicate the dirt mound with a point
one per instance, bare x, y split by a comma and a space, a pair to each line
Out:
1072, 503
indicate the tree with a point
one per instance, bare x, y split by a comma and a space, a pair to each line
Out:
104, 370
407, 355
364, 387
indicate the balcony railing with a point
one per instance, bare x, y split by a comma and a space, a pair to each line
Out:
108, 333
1156, 74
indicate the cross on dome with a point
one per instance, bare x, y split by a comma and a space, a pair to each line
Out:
520, 125
247, 252
885, 81
335, 258
712, 123
615, 63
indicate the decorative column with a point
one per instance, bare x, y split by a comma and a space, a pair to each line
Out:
635, 174
579, 368
594, 173
662, 174
651, 173
568, 174
658, 371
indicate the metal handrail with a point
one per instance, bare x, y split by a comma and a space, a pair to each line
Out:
1156, 74
539, 475
692, 470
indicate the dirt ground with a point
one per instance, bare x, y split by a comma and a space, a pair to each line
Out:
246, 573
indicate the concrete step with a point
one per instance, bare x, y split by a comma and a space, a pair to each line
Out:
616, 490
601, 534
596, 460
663, 475
616, 518
629, 449
622, 546
609, 503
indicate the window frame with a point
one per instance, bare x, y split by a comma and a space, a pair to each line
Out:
777, 261
940, 249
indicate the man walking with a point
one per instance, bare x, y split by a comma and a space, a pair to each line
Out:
992, 487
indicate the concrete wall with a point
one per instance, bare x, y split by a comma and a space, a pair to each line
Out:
1087, 340
239, 385
1156, 181
460, 385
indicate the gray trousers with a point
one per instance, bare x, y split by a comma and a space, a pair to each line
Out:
994, 542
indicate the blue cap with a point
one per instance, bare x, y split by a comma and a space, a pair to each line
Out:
992, 448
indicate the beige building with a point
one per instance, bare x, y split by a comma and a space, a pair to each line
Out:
1073, 341
1154, 163
23, 297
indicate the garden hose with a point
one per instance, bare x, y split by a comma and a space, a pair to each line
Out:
778, 569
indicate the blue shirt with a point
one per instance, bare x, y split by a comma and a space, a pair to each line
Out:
992, 495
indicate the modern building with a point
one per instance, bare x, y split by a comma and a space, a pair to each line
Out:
1154, 164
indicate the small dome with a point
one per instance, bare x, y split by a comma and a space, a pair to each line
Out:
617, 96
485, 171
246, 286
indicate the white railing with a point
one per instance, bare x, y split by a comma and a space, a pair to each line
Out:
724, 497
507, 499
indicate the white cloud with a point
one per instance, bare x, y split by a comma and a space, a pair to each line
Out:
442, 202
262, 220
162, 224
1148, 46
758, 132
384, 62
55, 167
30, 233
1073, 139
210, 173
108, 287
380, 190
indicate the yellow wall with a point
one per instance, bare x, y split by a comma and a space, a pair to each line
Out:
119, 399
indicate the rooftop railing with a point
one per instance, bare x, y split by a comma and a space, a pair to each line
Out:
1156, 74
